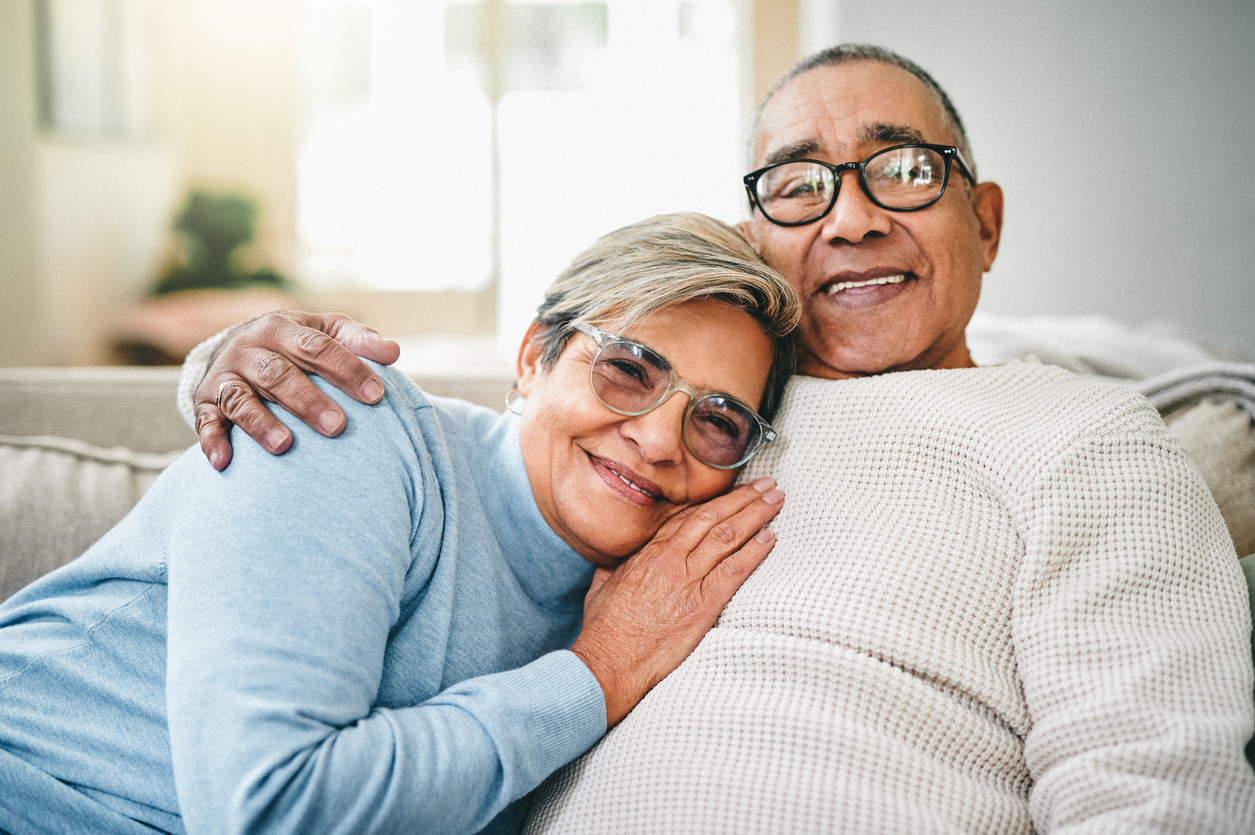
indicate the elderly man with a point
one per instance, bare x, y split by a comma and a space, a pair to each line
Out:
1002, 598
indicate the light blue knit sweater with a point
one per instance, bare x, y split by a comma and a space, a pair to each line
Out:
363, 635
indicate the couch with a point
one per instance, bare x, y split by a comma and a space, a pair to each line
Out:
79, 446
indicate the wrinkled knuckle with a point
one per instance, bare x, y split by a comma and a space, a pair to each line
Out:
723, 534
704, 513
269, 370
314, 344
208, 419
267, 323
305, 400
254, 422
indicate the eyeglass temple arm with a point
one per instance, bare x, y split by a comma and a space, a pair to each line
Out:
964, 169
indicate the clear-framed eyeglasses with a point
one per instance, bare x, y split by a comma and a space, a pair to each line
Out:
632, 379
903, 178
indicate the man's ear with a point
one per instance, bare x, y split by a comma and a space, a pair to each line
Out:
527, 367
987, 204
746, 228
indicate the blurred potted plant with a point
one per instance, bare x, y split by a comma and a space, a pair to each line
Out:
208, 289
214, 227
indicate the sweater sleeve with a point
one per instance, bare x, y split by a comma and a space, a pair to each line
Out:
1132, 637
285, 580
195, 367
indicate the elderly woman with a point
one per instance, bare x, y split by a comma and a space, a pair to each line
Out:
371, 634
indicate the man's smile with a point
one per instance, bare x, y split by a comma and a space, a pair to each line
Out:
863, 289
837, 286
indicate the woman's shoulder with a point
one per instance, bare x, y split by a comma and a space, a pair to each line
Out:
441, 428
447, 415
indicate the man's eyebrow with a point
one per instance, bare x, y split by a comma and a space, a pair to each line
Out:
794, 150
883, 132
879, 133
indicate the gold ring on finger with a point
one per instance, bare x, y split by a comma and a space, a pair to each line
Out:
222, 387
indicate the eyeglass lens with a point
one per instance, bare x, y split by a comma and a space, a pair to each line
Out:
898, 178
633, 380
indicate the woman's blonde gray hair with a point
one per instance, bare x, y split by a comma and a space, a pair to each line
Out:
663, 262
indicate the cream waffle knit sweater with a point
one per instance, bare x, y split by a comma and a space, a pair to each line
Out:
1002, 599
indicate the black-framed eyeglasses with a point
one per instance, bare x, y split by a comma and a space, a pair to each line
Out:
903, 178
631, 379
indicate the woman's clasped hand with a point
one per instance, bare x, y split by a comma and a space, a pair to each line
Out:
644, 617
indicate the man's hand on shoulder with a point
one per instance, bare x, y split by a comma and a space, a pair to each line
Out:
268, 358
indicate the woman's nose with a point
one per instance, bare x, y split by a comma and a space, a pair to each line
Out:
855, 216
658, 435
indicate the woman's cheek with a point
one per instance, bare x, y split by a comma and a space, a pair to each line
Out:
716, 483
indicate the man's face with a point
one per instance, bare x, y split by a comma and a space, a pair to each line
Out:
845, 113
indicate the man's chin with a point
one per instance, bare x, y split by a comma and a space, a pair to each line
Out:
848, 362
825, 371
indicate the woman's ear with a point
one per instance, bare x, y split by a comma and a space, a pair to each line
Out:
527, 368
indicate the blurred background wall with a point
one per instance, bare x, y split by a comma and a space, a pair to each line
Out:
1120, 132
150, 99
429, 165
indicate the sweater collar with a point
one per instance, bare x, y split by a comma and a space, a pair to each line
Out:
549, 571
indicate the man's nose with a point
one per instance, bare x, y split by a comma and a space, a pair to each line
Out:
658, 435
855, 216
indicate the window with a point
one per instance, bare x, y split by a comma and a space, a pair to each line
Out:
92, 66
474, 145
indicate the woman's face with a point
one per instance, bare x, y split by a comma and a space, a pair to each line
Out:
578, 452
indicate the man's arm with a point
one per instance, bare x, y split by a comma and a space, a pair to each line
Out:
1132, 639
268, 358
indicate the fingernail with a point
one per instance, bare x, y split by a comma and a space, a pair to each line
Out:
765, 536
214, 458
372, 391
764, 484
275, 439
773, 497
329, 421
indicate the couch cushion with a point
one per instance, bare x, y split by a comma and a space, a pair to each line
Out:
58, 496
1220, 439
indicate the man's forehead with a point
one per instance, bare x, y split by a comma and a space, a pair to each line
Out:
833, 110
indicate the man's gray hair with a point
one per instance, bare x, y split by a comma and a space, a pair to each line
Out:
661, 263
844, 53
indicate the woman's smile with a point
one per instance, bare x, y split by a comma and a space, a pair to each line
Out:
626, 482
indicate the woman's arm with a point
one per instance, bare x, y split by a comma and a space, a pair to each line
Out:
285, 582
